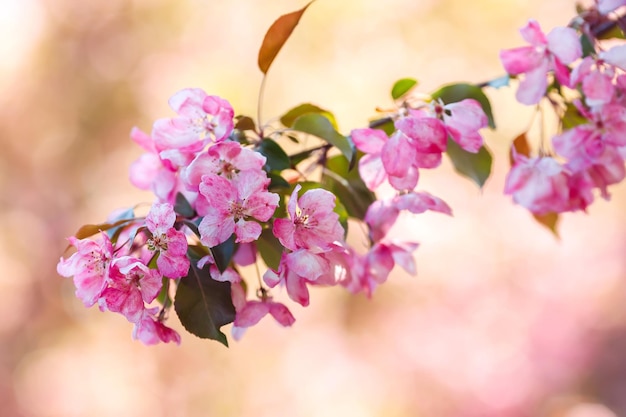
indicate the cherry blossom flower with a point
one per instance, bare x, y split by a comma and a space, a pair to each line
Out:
296, 270
250, 312
226, 159
201, 118
312, 224
169, 242
150, 330
463, 120
552, 52
596, 80
151, 172
228, 206
607, 6
393, 159
89, 266
131, 284
539, 184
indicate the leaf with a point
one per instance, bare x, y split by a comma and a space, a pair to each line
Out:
500, 82
318, 125
456, 92
385, 124
549, 221
223, 253
290, 117
276, 37
521, 146
183, 207
270, 249
401, 87
475, 166
91, 229
572, 117
204, 305
277, 159
296, 158
348, 186
244, 123
277, 183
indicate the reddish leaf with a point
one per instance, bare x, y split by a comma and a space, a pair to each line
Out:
276, 37
549, 221
521, 146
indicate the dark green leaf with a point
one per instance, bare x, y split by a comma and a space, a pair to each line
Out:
320, 126
290, 117
348, 186
277, 183
183, 207
401, 87
223, 253
244, 123
204, 305
276, 37
270, 249
385, 124
277, 159
475, 166
456, 92
587, 46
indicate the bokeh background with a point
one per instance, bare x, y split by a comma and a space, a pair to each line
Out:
503, 319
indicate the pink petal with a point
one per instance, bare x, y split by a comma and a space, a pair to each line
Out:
520, 60
564, 43
281, 314
369, 141
615, 56
532, 89
533, 34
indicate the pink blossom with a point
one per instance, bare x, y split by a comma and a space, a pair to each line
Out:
539, 184
394, 159
296, 270
131, 284
615, 56
89, 266
226, 159
201, 118
169, 242
251, 312
312, 224
463, 120
552, 52
606, 127
229, 205
150, 330
607, 6
381, 215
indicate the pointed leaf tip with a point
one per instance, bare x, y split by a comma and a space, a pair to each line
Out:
277, 35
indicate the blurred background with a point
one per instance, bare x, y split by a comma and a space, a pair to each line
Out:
503, 319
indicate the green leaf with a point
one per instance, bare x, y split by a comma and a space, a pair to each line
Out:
456, 92
223, 253
572, 117
587, 46
401, 87
290, 117
276, 37
500, 82
348, 186
385, 124
277, 159
296, 158
475, 166
549, 221
204, 305
320, 126
277, 183
183, 207
270, 249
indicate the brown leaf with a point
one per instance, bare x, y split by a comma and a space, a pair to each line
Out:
521, 146
549, 221
276, 37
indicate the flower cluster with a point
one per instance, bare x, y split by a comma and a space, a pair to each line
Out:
220, 204
588, 93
